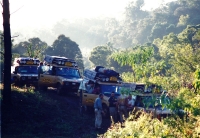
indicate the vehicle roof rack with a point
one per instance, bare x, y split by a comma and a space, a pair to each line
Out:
26, 61
59, 61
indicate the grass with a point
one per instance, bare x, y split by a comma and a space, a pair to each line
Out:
44, 114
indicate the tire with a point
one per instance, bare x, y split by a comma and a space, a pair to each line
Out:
42, 88
16, 82
59, 89
28, 85
106, 111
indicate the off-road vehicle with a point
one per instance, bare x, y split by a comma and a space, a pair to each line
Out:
61, 73
24, 71
108, 81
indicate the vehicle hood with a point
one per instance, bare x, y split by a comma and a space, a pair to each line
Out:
163, 111
71, 79
158, 110
29, 75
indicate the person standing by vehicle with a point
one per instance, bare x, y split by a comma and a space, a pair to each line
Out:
40, 71
129, 102
113, 107
122, 109
98, 111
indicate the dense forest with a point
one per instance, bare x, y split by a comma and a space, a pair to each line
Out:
161, 46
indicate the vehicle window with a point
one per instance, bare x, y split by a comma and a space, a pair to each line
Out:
68, 72
139, 101
27, 69
47, 69
107, 89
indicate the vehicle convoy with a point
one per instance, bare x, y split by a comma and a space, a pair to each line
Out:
24, 71
106, 80
61, 73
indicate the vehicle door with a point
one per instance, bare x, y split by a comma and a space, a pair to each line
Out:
47, 78
89, 98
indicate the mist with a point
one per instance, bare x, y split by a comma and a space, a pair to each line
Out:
87, 31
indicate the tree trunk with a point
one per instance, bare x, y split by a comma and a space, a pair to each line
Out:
7, 54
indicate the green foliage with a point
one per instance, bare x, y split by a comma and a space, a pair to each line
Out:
34, 47
128, 77
172, 67
142, 61
181, 54
196, 81
99, 55
117, 67
146, 127
125, 91
186, 100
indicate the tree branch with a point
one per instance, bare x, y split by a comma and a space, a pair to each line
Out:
17, 10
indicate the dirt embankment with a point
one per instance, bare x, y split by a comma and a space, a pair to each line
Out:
46, 114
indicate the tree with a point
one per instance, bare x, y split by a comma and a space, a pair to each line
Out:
7, 53
99, 55
34, 47
137, 58
65, 47
181, 53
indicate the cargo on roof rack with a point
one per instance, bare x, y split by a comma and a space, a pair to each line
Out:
102, 74
26, 61
59, 61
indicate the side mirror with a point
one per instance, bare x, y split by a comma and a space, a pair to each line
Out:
14, 72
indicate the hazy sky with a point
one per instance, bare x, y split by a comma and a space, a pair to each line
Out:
44, 13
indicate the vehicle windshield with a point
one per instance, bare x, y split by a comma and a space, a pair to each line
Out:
107, 89
68, 72
27, 69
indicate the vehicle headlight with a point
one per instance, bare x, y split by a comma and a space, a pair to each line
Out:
23, 78
66, 83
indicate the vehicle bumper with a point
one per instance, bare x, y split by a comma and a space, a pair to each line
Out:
71, 87
29, 80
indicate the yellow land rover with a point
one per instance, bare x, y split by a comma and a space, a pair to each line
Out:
61, 73
106, 82
24, 71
